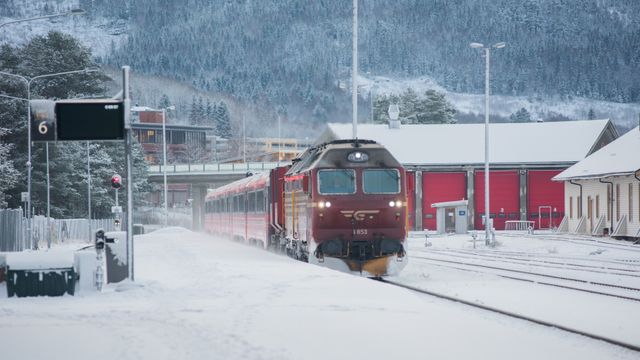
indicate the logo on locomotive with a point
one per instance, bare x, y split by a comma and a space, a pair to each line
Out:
359, 215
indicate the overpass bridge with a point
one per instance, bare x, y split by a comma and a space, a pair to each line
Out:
204, 176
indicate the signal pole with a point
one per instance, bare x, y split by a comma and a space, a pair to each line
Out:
129, 168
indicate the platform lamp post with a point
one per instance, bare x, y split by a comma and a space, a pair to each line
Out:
164, 162
487, 54
28, 82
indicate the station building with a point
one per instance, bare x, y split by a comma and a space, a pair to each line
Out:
446, 164
602, 192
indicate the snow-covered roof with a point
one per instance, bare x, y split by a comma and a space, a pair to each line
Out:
463, 144
620, 157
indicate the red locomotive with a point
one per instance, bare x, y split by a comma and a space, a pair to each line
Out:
340, 204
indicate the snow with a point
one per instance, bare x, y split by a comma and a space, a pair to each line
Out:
606, 316
624, 115
39, 260
463, 144
199, 297
619, 157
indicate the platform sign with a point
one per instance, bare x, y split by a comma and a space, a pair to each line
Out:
43, 120
93, 119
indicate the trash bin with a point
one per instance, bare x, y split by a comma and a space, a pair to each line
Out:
49, 282
138, 229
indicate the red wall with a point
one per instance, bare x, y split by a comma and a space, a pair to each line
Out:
439, 187
544, 192
504, 200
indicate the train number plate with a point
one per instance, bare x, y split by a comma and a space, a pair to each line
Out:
361, 231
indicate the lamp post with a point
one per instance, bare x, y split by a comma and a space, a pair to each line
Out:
68, 13
354, 71
28, 82
164, 162
487, 220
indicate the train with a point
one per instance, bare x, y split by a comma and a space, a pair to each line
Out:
340, 204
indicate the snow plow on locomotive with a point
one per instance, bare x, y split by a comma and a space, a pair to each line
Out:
340, 204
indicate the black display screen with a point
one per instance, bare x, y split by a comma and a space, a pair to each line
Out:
100, 120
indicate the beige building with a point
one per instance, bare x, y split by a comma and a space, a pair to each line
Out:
602, 192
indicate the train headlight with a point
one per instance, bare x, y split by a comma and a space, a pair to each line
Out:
392, 203
397, 203
324, 204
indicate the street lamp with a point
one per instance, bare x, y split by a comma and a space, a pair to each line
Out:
164, 161
68, 13
28, 82
487, 220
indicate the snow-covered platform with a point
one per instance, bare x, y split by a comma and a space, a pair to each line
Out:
198, 297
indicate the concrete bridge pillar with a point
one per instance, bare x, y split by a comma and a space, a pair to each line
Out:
198, 192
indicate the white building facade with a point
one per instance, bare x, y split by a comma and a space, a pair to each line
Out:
602, 192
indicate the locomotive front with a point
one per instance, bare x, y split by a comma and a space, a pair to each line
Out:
359, 209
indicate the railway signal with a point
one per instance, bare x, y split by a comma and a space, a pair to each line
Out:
116, 182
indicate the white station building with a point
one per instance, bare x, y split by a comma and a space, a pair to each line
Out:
602, 192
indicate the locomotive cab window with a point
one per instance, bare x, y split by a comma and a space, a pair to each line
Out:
381, 181
336, 182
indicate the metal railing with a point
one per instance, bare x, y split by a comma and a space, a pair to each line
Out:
214, 167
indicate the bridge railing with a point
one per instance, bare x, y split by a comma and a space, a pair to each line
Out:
214, 167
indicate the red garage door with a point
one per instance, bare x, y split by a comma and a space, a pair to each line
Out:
504, 197
438, 187
545, 198
411, 196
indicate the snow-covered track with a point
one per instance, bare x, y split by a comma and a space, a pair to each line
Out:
539, 262
513, 315
581, 240
538, 282
530, 273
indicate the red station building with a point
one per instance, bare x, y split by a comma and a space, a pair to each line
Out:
446, 163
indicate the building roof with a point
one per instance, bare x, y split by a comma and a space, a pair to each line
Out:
463, 144
620, 157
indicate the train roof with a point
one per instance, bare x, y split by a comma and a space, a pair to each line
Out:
335, 154
248, 183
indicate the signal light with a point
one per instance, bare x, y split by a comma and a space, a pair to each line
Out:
116, 181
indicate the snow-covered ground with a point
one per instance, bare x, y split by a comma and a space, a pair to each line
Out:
199, 297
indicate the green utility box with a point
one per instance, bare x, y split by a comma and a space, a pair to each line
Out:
45, 282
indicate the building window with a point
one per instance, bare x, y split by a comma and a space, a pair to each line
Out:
617, 202
608, 203
579, 204
597, 206
570, 207
630, 202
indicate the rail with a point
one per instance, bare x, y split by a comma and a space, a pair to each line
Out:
214, 167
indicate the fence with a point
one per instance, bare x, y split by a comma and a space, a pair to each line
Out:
519, 225
12, 230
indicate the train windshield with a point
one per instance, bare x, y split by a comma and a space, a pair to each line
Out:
381, 181
336, 182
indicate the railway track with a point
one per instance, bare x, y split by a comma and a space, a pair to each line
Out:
582, 240
563, 278
530, 261
630, 298
513, 315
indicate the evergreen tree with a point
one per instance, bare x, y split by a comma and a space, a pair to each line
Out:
223, 121
8, 173
48, 54
591, 115
434, 109
520, 116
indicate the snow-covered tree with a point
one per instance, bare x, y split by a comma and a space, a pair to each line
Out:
223, 121
9, 175
520, 116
